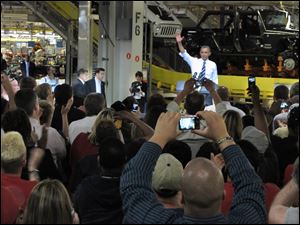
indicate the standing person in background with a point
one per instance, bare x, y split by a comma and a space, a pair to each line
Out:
138, 90
97, 83
201, 68
78, 87
50, 78
28, 67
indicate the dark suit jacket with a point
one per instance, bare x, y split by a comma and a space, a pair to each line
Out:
78, 89
90, 86
32, 69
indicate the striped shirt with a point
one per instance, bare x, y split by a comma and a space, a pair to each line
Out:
141, 206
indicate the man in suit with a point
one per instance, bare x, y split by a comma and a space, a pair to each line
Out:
28, 67
96, 84
78, 87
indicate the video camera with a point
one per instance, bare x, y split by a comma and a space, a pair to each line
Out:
136, 87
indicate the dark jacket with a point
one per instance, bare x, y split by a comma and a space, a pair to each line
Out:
32, 69
98, 201
141, 206
74, 114
90, 86
78, 89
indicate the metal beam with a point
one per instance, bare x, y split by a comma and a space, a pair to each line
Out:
42, 10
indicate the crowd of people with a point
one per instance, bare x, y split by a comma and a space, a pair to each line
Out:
67, 157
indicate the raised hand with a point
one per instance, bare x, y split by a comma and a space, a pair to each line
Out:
178, 37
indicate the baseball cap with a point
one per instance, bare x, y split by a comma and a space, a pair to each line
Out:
167, 175
256, 137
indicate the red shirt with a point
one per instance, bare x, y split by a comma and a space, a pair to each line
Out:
270, 191
14, 195
80, 148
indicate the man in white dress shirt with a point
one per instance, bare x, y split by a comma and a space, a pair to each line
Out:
201, 68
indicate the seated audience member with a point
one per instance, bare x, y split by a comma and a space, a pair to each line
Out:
283, 210
17, 120
62, 94
13, 159
27, 99
152, 115
180, 150
49, 203
207, 149
156, 100
93, 104
83, 157
287, 148
28, 82
97, 198
225, 104
270, 189
166, 181
194, 102
55, 142
258, 138
281, 92
133, 147
202, 182
44, 92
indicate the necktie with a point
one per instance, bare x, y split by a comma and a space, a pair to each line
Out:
202, 74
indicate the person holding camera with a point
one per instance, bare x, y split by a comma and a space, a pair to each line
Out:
201, 69
138, 90
202, 181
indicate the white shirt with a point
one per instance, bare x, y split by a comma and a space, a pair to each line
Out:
36, 127
27, 68
224, 106
53, 82
98, 86
81, 126
82, 81
196, 64
56, 144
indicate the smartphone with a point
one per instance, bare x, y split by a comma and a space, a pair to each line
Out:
189, 123
251, 81
284, 105
135, 107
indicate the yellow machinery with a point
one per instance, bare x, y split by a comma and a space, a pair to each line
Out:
237, 85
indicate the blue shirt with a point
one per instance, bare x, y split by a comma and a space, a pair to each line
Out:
53, 82
141, 206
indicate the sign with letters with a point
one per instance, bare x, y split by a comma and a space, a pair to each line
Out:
137, 36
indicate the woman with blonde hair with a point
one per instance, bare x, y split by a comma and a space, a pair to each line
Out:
106, 114
49, 203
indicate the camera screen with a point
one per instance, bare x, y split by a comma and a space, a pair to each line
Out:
187, 123
135, 107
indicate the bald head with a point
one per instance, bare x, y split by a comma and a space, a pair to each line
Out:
202, 186
223, 93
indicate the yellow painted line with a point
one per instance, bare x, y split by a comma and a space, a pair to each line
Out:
237, 85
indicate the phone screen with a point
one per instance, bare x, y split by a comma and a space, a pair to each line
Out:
251, 81
189, 123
